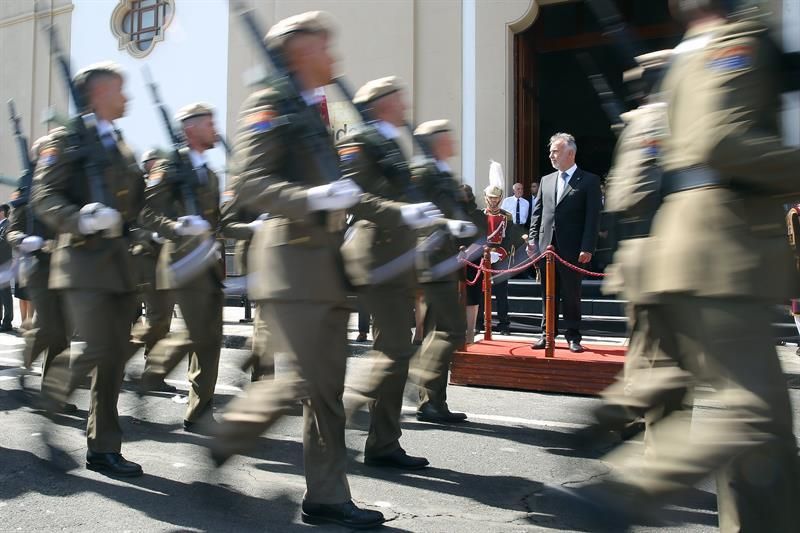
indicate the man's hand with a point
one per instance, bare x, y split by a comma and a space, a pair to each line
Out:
192, 225
31, 243
462, 229
584, 257
532, 250
96, 217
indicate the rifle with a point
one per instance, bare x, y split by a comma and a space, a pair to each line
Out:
85, 145
186, 175
26, 179
611, 104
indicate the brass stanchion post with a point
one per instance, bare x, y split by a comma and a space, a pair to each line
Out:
550, 304
486, 263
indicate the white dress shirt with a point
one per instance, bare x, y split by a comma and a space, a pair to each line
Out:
510, 205
563, 180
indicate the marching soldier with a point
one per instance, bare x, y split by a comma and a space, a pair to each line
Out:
50, 333
240, 224
717, 259
285, 160
373, 159
159, 305
201, 298
91, 263
445, 319
633, 196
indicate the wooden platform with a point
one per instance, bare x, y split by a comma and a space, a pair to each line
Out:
515, 365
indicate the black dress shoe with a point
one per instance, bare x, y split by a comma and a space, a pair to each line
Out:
575, 347
345, 514
397, 459
201, 427
428, 413
112, 464
165, 387
540, 344
68, 408
362, 337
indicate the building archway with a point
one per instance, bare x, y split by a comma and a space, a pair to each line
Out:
551, 90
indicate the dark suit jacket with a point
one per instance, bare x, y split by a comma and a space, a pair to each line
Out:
573, 219
5, 246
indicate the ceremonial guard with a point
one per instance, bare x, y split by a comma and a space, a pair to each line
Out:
499, 240
90, 194
716, 261
35, 242
200, 298
439, 273
288, 167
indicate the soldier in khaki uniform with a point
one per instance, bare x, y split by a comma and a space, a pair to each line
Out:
201, 298
633, 196
374, 160
159, 305
285, 160
445, 319
241, 224
35, 241
716, 260
91, 263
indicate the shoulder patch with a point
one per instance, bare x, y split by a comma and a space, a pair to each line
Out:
227, 195
348, 153
48, 157
261, 121
738, 57
154, 178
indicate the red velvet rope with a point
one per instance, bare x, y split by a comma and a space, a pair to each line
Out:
526, 264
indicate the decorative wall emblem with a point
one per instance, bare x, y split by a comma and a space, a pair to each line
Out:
140, 24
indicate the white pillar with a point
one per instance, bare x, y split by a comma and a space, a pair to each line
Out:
468, 90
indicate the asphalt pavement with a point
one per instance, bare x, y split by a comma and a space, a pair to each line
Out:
485, 476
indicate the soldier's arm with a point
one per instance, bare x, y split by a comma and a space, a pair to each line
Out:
260, 155
232, 221
50, 184
743, 74
159, 197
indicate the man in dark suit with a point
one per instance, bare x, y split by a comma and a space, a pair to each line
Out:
566, 215
5, 260
533, 200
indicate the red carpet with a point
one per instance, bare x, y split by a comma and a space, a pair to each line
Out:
514, 365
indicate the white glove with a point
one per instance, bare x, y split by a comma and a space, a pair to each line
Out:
340, 194
462, 229
192, 225
96, 217
254, 225
158, 239
420, 215
494, 257
31, 243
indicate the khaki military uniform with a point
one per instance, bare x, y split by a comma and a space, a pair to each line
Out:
445, 319
159, 305
378, 166
51, 332
201, 298
96, 275
296, 276
235, 225
717, 258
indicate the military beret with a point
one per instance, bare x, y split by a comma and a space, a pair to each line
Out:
649, 61
308, 22
198, 109
104, 67
372, 90
149, 155
433, 126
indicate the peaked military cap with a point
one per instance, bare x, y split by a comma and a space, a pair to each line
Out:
372, 90
649, 61
308, 22
198, 109
433, 126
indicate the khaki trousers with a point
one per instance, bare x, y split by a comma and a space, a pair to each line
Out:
201, 341
445, 330
313, 337
51, 332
